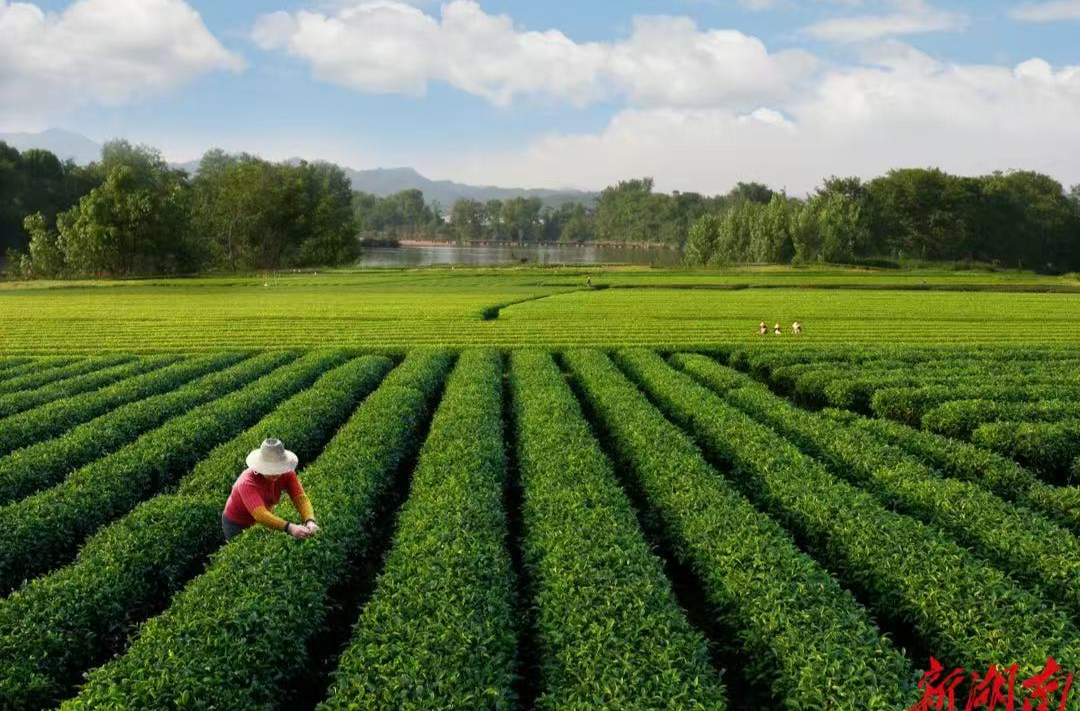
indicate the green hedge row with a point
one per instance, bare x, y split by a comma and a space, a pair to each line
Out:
1012, 537
61, 624
908, 406
610, 631
854, 389
965, 461
17, 367
960, 418
44, 372
239, 633
57, 417
14, 403
810, 638
1046, 448
46, 463
969, 612
44, 530
439, 630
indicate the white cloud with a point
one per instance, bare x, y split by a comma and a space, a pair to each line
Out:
908, 110
1048, 11
391, 46
100, 51
908, 17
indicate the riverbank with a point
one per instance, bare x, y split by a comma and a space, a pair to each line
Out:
503, 243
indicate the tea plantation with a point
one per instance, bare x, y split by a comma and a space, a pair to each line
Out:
537, 495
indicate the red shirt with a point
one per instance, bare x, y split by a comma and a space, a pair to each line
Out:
253, 490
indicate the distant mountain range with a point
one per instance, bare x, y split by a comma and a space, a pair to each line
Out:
379, 181
64, 144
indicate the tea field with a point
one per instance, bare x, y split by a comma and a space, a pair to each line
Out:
534, 495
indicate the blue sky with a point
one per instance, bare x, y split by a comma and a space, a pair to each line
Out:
786, 91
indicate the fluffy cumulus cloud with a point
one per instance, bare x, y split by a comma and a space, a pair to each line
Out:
905, 17
100, 51
395, 47
902, 108
1053, 11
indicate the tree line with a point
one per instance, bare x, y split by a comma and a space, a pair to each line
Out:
1018, 219
130, 213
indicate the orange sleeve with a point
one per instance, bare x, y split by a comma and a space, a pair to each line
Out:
299, 498
263, 515
303, 507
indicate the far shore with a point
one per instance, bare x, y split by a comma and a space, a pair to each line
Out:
501, 243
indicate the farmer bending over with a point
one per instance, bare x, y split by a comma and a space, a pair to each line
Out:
271, 468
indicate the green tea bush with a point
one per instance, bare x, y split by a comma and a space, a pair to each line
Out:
799, 628
46, 463
610, 631
1013, 537
237, 633
77, 615
18, 367
16, 402
907, 570
1046, 448
439, 630
55, 418
908, 406
44, 530
959, 419
48, 373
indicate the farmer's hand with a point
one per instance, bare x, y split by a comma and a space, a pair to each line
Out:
297, 531
312, 527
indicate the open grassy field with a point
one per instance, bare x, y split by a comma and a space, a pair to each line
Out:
541, 307
538, 496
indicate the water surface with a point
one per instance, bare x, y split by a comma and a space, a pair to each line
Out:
496, 255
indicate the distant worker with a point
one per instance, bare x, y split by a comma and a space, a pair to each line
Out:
796, 328
271, 469
588, 281
776, 330
763, 329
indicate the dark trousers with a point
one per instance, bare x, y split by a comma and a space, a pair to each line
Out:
230, 528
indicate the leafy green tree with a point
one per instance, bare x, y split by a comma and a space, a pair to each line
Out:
576, 224
626, 213
46, 258
703, 242
841, 226
333, 234
467, 219
749, 192
520, 218
137, 222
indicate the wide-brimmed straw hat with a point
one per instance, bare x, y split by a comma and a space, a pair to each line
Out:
272, 458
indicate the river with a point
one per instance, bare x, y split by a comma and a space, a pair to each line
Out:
496, 255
